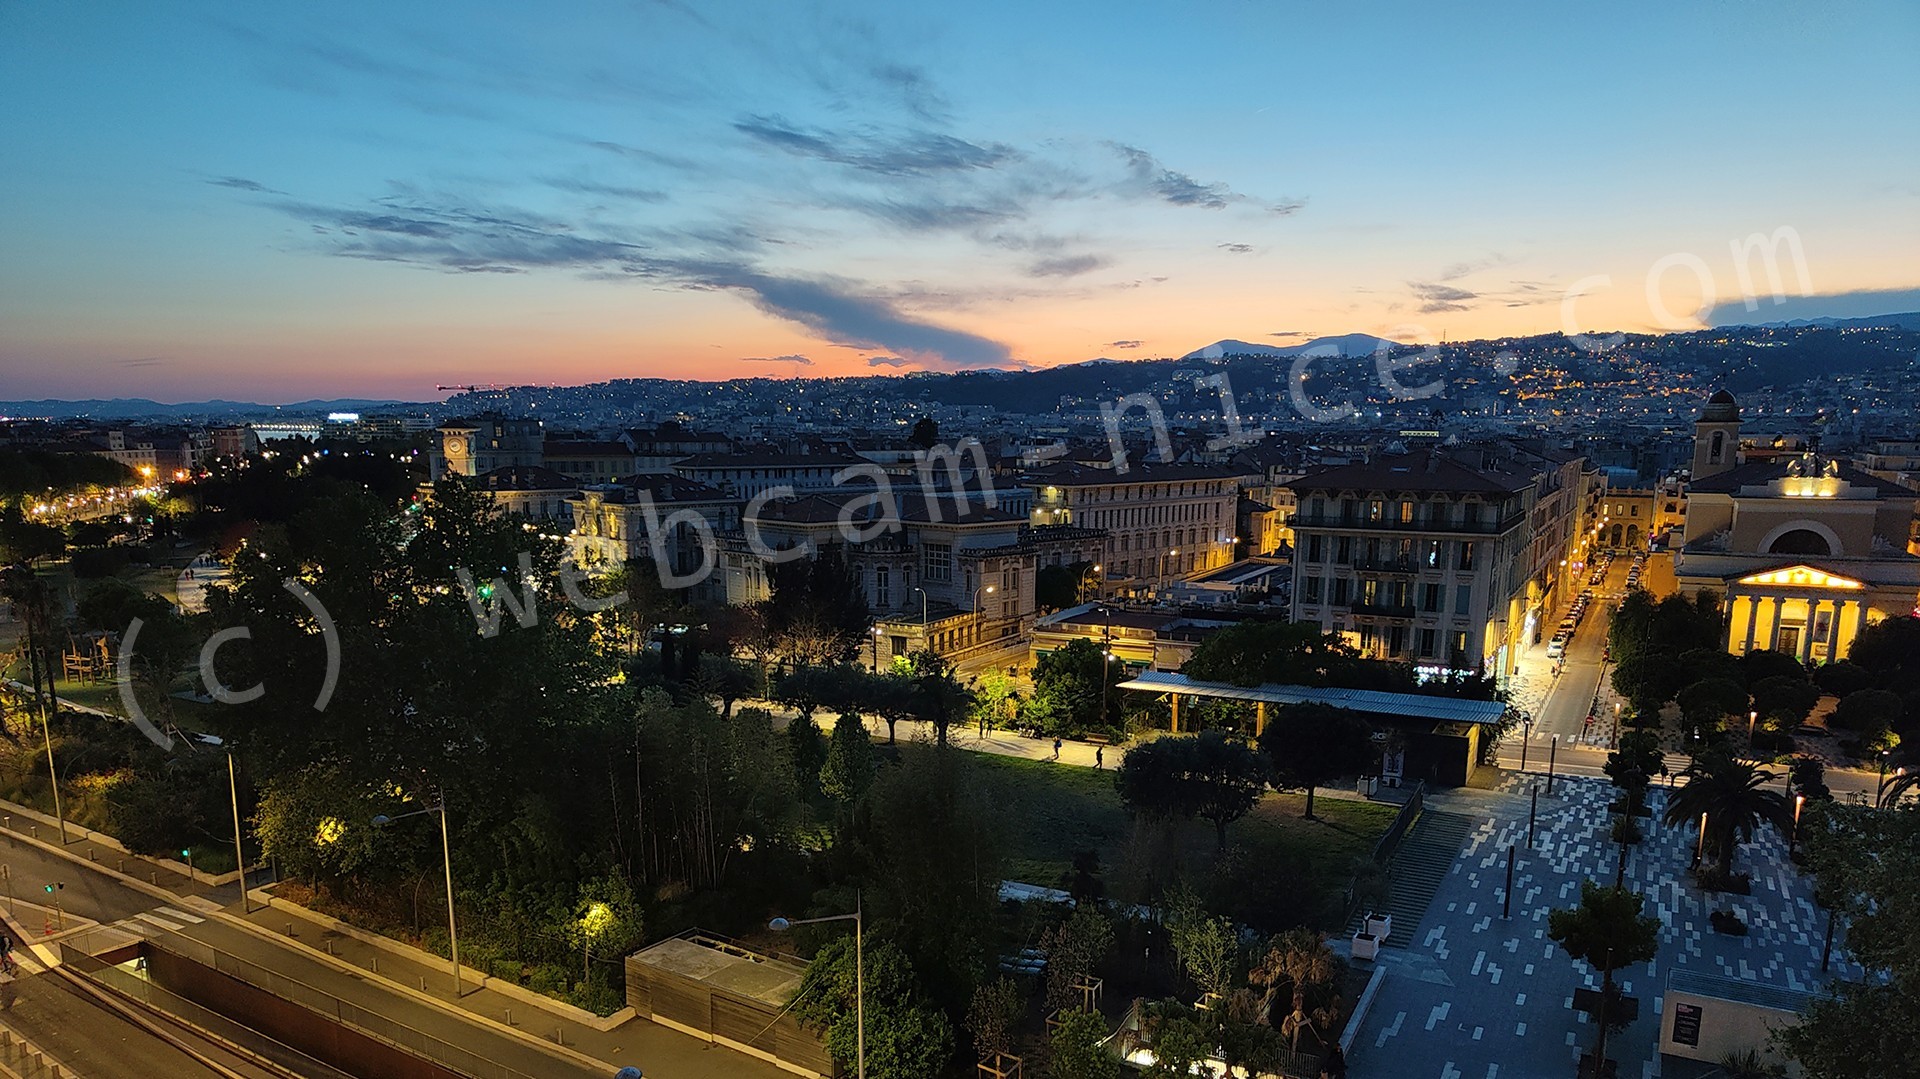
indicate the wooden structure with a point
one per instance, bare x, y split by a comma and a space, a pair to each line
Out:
723, 993
1002, 1066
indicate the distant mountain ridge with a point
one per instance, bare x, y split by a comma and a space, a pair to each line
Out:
1909, 320
129, 408
1349, 344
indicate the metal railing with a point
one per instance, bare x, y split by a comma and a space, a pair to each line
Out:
1403, 822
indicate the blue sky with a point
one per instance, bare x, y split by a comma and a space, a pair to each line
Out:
277, 201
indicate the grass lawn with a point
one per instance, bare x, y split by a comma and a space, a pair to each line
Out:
1054, 810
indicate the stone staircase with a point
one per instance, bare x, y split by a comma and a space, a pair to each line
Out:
1424, 859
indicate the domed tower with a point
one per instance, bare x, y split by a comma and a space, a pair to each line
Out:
1716, 436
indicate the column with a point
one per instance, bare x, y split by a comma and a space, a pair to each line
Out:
1860, 626
1753, 621
1806, 636
1259, 718
1773, 630
1175, 699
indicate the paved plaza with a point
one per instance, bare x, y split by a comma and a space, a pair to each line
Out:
1481, 996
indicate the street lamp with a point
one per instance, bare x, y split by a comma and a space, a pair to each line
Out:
978, 614
781, 925
876, 649
1080, 592
1526, 738
1793, 837
446, 853
593, 923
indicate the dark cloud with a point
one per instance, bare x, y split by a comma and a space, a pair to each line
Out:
1457, 270
1863, 303
1124, 344
1436, 298
1238, 249
241, 183
1066, 266
795, 358
1287, 333
838, 311
1174, 187
143, 361
908, 153
594, 187
888, 361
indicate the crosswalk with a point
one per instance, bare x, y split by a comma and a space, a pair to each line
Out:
147, 923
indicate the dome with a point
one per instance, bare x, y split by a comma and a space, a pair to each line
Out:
1721, 408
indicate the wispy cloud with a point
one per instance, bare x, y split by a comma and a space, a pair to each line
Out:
1288, 333
1066, 266
1436, 298
1124, 344
795, 358
1237, 248
582, 186
241, 183
901, 153
888, 361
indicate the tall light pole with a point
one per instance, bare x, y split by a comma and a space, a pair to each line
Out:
1106, 665
978, 614
239, 854
446, 853
1080, 593
876, 649
781, 925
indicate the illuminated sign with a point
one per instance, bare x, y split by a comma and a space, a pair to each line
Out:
1801, 577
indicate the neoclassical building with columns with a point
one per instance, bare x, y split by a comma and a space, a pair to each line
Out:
1806, 550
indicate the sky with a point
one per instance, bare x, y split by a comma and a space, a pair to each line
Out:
272, 202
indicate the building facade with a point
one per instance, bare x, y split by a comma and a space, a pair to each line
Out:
1162, 522
1806, 551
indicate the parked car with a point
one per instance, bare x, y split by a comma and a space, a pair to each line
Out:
1557, 647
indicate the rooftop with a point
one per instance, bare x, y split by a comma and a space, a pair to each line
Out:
1374, 702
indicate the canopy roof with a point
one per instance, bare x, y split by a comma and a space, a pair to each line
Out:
1405, 705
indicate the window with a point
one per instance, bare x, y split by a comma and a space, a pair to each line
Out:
1459, 651
1316, 550
1433, 553
1463, 599
1406, 513
1466, 556
1343, 551
1426, 643
1342, 588
1375, 508
1430, 598
939, 563
881, 578
1310, 592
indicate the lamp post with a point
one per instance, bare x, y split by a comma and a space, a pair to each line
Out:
1106, 664
1753, 717
239, 854
1553, 753
781, 925
1700, 847
1080, 592
446, 853
1526, 724
978, 614
1793, 837
876, 649
923, 618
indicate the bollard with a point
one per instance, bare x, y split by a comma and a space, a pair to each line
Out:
560, 1035
423, 983
153, 876
123, 865
375, 964
289, 929
329, 945
509, 1016
90, 855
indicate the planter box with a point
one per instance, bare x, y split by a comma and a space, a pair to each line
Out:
1378, 925
1366, 947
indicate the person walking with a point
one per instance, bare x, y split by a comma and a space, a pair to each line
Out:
1099, 756
1056, 748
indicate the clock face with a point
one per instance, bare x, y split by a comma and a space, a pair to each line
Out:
456, 446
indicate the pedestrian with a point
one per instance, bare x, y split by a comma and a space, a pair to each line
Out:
1099, 756
6, 953
1056, 749
1334, 1064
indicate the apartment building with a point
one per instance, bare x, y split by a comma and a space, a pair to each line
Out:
1162, 522
1444, 557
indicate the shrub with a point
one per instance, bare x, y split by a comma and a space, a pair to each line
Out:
1726, 921
1843, 678
550, 979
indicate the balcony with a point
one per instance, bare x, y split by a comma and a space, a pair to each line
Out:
1382, 610
1441, 527
1387, 565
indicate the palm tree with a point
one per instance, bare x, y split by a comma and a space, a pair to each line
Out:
1732, 795
1607, 932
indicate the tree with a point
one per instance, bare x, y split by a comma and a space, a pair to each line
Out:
727, 679
1762, 664
1310, 745
1707, 703
1075, 947
1299, 964
993, 1015
849, 768
1871, 714
1077, 1050
925, 434
995, 695
1733, 795
1228, 778
1072, 689
937, 697
1179, 1043
1786, 701
817, 611
1607, 932
1808, 777
1207, 775
1867, 860
1057, 587
1208, 947
1889, 649
929, 840
906, 1035
1296, 653
1633, 765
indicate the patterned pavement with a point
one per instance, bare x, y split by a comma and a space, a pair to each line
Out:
1482, 996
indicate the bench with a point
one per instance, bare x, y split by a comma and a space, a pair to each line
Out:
1095, 740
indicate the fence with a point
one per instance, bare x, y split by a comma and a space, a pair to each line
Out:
1402, 824
321, 1003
